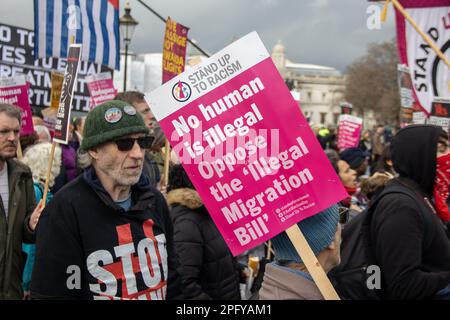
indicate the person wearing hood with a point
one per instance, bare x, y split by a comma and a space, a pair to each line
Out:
208, 269
107, 234
409, 240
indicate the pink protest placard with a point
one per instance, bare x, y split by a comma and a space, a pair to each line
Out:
14, 91
349, 131
101, 88
245, 144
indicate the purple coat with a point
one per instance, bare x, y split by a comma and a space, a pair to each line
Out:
69, 161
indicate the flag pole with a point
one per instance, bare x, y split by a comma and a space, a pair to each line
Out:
427, 39
165, 21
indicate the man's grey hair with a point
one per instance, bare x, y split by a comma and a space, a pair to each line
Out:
84, 159
11, 111
40, 128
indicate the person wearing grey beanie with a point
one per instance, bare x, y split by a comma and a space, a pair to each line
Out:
287, 277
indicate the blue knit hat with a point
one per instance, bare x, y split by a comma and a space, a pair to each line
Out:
354, 157
319, 231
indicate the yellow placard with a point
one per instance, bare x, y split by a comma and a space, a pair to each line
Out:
55, 93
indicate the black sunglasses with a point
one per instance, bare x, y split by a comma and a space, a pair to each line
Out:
126, 144
344, 214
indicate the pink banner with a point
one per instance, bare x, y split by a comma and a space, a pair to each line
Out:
101, 88
349, 131
245, 144
15, 91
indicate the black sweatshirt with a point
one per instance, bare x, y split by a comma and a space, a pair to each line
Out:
410, 243
87, 247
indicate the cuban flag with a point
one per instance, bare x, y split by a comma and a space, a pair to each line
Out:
93, 23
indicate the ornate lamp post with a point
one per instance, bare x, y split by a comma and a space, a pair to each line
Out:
127, 25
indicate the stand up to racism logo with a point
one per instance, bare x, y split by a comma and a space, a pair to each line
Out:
181, 91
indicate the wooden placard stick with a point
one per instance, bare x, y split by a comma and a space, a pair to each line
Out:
166, 163
49, 169
269, 250
19, 151
312, 264
52, 155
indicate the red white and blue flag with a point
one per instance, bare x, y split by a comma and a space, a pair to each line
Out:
93, 23
429, 74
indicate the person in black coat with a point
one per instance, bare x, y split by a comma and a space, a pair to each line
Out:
409, 240
207, 268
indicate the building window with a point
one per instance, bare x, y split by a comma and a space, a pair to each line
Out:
336, 117
309, 96
308, 116
324, 95
289, 84
323, 116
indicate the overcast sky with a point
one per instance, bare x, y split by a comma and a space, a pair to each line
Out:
326, 32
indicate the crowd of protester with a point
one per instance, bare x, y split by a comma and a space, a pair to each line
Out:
397, 183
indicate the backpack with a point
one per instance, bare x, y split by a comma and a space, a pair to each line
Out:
350, 277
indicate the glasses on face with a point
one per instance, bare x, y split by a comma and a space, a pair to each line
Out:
126, 144
344, 214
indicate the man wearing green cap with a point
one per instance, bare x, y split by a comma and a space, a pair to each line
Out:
107, 234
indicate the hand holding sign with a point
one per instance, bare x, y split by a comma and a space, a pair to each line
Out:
246, 146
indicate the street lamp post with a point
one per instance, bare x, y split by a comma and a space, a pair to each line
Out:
127, 24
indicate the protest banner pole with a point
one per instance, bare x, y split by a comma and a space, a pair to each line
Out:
178, 49
269, 250
52, 154
19, 151
166, 163
405, 14
312, 264
49, 169
165, 21
246, 181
